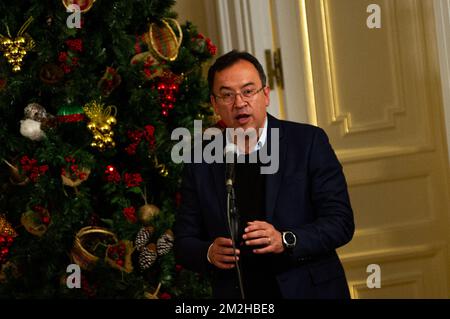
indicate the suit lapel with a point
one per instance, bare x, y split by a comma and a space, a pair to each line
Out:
273, 181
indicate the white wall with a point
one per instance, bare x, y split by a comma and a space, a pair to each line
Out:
202, 14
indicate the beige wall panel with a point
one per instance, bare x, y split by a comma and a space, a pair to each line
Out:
374, 65
366, 89
376, 92
384, 198
405, 286
412, 272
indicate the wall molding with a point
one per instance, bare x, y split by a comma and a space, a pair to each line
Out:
442, 17
345, 118
393, 254
380, 152
415, 278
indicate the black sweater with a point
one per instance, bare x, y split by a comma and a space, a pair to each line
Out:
258, 270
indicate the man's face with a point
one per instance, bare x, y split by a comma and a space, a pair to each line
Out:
244, 112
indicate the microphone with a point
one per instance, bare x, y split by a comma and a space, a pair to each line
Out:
232, 213
230, 151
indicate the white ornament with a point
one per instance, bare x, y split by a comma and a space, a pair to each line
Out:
31, 129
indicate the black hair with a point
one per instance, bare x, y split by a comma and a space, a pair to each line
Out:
228, 60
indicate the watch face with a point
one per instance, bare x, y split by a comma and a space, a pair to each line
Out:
289, 238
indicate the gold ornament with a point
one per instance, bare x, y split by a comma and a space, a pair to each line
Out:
147, 212
75, 181
162, 170
85, 5
16, 48
51, 74
111, 121
163, 40
100, 124
16, 178
5, 227
32, 221
154, 295
153, 65
87, 242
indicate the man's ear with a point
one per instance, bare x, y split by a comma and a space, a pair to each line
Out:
267, 95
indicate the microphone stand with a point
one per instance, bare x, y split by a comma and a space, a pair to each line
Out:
233, 225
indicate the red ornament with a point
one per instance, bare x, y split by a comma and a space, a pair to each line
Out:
137, 136
111, 174
31, 169
203, 45
168, 87
69, 59
133, 179
130, 214
110, 80
2, 84
75, 45
178, 268
165, 295
5, 242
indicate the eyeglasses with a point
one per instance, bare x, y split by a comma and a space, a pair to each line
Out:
229, 97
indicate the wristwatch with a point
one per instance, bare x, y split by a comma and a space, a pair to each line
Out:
289, 239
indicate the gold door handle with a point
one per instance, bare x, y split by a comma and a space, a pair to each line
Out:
274, 68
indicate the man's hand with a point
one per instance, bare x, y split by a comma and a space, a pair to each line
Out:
220, 253
259, 233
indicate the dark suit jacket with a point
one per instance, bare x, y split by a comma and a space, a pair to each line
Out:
308, 195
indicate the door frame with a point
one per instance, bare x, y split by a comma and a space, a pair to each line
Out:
442, 18
245, 26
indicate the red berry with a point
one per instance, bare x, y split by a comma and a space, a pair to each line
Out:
9, 240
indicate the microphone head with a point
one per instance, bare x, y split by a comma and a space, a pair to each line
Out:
230, 154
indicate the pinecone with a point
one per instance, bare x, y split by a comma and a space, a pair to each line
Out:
143, 237
165, 243
147, 257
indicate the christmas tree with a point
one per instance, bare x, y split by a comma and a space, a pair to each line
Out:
89, 96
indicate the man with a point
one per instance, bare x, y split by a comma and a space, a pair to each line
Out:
293, 219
